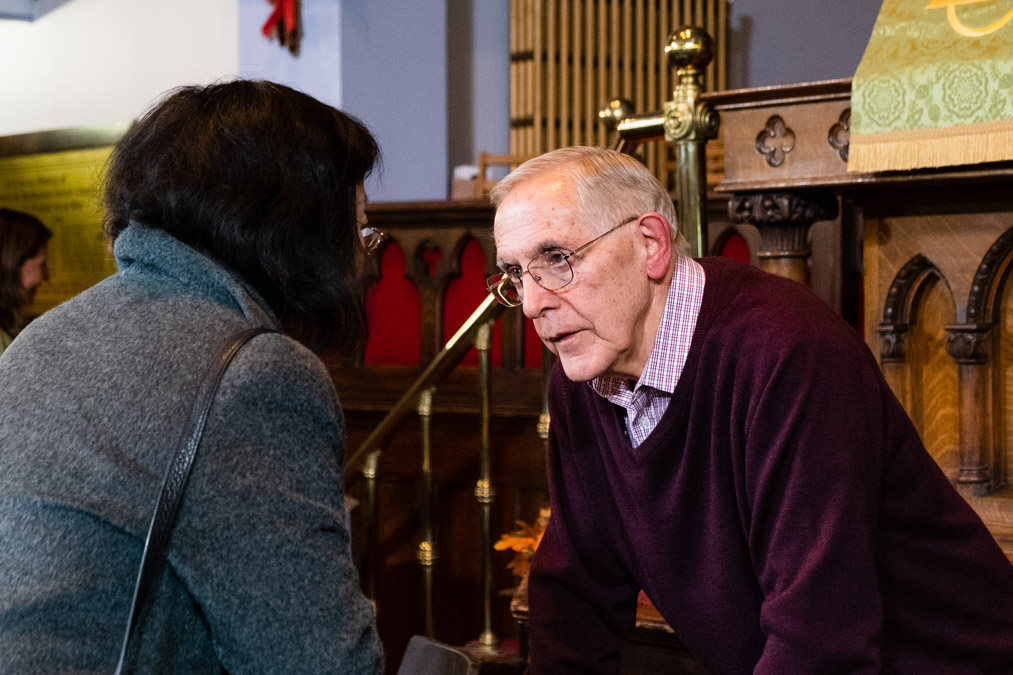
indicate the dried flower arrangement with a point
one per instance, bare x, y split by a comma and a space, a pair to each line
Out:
523, 542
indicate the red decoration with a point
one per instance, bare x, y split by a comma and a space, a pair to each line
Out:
736, 247
284, 23
461, 298
394, 311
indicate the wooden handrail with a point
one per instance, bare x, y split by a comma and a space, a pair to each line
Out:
441, 366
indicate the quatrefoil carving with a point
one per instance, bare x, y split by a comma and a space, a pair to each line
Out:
839, 136
775, 141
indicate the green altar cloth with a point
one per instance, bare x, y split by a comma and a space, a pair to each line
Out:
934, 87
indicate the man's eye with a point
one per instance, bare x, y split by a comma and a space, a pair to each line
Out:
514, 273
554, 258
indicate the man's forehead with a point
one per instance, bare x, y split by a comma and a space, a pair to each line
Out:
547, 200
524, 231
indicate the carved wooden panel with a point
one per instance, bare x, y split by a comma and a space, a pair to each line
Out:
1004, 405
937, 249
798, 136
914, 360
940, 319
934, 406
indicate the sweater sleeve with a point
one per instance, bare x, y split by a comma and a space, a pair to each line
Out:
263, 542
582, 600
812, 465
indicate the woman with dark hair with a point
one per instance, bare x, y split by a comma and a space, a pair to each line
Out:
24, 264
232, 206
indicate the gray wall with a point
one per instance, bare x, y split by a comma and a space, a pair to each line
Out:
787, 41
394, 78
478, 88
431, 77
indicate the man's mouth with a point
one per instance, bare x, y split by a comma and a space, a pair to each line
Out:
561, 337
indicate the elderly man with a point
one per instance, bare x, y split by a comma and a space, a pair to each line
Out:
722, 440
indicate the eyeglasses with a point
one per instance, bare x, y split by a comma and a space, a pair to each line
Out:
371, 239
551, 270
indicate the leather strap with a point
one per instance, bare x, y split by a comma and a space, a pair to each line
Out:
174, 483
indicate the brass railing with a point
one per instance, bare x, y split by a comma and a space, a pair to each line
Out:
476, 331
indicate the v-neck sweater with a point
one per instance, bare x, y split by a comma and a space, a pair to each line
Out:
783, 516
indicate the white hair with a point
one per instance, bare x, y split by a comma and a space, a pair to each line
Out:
608, 186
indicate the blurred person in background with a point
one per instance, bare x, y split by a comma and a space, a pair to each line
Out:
24, 265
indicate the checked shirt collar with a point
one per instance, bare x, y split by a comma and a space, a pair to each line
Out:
647, 401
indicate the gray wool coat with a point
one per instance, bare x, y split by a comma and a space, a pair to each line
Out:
93, 396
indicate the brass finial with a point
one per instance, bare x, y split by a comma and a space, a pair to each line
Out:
614, 112
690, 47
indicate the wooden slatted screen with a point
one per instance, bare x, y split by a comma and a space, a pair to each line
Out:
568, 58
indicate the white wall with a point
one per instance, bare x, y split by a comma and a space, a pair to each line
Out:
102, 61
383, 61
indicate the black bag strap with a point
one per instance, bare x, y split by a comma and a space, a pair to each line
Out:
175, 479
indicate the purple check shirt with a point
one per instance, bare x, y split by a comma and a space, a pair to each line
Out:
648, 400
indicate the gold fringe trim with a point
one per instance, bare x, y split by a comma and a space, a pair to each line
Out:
923, 148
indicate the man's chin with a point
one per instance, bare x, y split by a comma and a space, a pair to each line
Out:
574, 371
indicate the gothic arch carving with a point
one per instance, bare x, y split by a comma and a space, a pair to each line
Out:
457, 254
427, 266
900, 308
982, 307
726, 236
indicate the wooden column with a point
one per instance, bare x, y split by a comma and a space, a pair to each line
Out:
968, 345
783, 219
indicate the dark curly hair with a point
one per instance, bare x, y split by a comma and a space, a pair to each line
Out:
22, 236
263, 178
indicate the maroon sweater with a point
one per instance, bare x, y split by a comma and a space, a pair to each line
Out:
784, 516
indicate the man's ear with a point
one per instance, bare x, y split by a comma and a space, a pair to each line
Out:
657, 234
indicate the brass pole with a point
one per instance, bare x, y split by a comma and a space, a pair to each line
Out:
484, 492
427, 548
543, 418
686, 121
444, 362
689, 124
371, 539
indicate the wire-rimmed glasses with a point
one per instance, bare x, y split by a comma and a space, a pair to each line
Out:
550, 269
371, 238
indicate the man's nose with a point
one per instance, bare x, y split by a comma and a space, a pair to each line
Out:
537, 300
